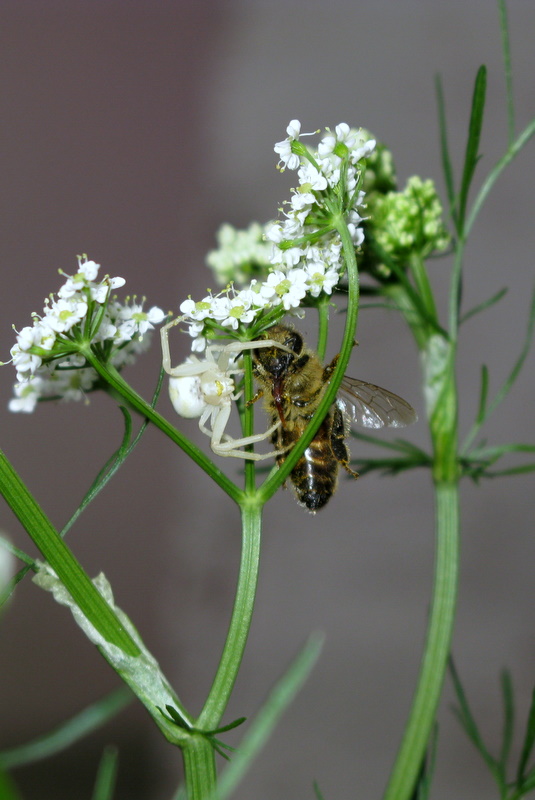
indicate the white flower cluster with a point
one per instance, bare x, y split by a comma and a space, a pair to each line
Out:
306, 256
240, 255
334, 166
46, 355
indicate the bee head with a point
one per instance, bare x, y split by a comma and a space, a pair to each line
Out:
278, 361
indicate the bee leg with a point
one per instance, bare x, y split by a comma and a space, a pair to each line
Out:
330, 368
257, 396
338, 444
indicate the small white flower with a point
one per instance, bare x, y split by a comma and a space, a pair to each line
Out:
26, 397
62, 315
275, 285
363, 151
100, 291
196, 311
89, 269
286, 288
274, 232
27, 363
327, 145
284, 149
308, 174
357, 234
297, 290
146, 320
239, 310
301, 203
294, 129
320, 279
195, 329
219, 307
346, 135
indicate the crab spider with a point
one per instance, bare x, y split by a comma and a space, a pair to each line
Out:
205, 389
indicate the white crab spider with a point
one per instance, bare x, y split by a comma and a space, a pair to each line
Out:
205, 389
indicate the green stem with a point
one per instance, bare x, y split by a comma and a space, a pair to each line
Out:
441, 400
199, 768
423, 712
323, 331
248, 419
240, 623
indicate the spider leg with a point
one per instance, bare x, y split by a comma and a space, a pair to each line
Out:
164, 337
228, 446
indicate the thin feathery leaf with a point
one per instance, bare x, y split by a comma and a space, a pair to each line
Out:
263, 724
527, 744
477, 463
502, 473
528, 784
230, 726
11, 584
398, 445
506, 49
423, 788
483, 395
317, 791
29, 562
495, 173
483, 306
508, 719
386, 466
8, 790
444, 149
464, 715
472, 145
507, 385
519, 363
493, 453
117, 459
106, 473
69, 732
106, 775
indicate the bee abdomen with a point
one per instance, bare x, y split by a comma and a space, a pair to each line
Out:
315, 475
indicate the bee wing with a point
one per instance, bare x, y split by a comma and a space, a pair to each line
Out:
373, 407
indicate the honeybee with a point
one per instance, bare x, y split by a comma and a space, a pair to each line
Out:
293, 382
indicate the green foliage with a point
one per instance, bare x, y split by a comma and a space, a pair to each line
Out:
513, 782
69, 732
107, 773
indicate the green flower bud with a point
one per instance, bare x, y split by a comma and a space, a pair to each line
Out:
401, 224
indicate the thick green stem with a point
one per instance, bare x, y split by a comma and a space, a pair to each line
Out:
438, 353
423, 712
199, 768
240, 623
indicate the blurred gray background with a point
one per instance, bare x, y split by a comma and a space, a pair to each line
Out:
130, 132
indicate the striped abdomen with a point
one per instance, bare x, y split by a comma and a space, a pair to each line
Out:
315, 475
